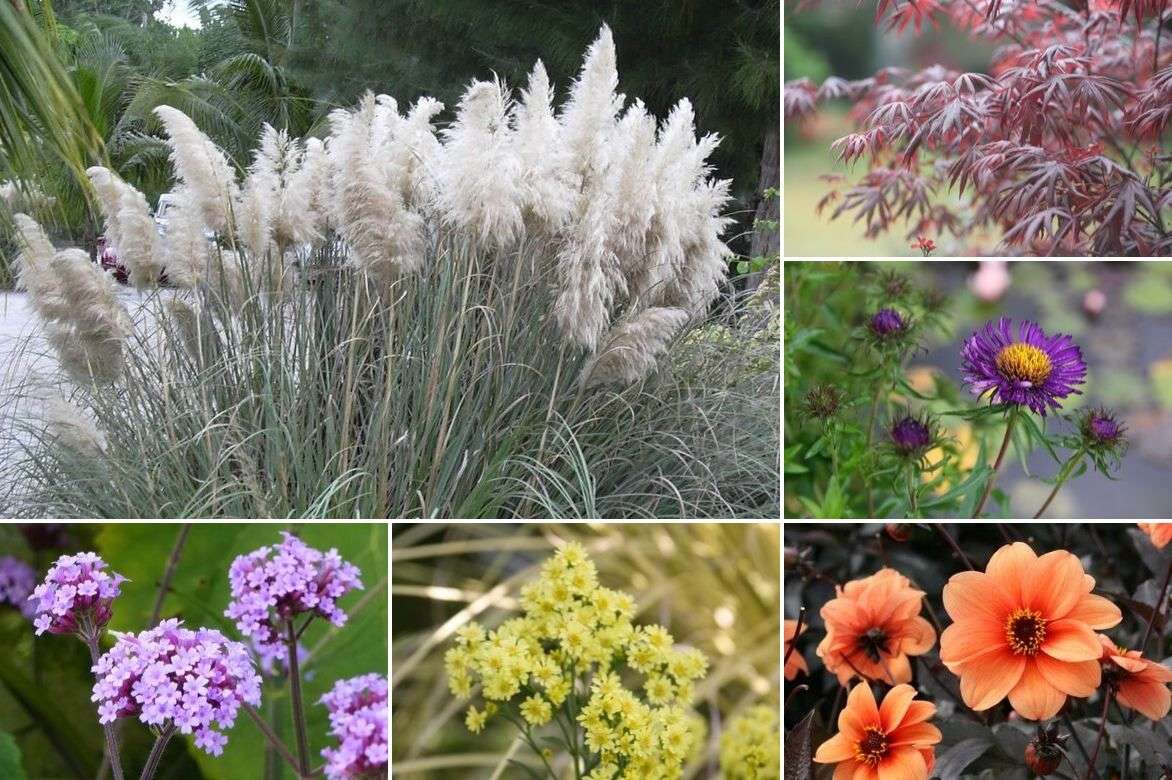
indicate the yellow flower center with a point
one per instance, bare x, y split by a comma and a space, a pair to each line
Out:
872, 747
1025, 630
1024, 363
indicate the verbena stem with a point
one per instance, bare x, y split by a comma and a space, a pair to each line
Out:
295, 690
1012, 418
90, 638
152, 763
1063, 475
271, 737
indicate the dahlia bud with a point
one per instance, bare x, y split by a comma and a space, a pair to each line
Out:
1043, 754
898, 532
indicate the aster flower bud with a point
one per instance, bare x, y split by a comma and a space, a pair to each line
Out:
822, 402
173, 677
17, 580
358, 718
76, 595
1101, 432
910, 436
887, 324
275, 584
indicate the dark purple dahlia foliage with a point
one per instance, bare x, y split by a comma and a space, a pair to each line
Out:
358, 718
273, 585
1033, 369
17, 580
76, 595
172, 677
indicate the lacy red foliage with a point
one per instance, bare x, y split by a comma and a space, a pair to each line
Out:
1061, 147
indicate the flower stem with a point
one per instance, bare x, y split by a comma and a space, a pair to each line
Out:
91, 641
152, 763
1067, 468
1012, 418
295, 690
1157, 609
271, 737
1099, 738
955, 547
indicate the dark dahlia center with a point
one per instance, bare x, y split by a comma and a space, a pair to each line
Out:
1024, 363
873, 643
1025, 630
872, 747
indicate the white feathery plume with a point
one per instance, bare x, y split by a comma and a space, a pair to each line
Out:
90, 328
417, 151
137, 241
632, 196
254, 216
73, 429
109, 195
630, 349
588, 118
186, 246
479, 173
310, 185
201, 166
34, 265
548, 187
385, 237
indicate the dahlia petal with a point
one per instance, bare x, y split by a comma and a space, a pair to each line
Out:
904, 763
898, 669
987, 679
915, 734
973, 596
837, 748
1052, 585
918, 636
1150, 699
964, 640
1095, 611
1079, 678
1033, 698
1071, 640
860, 711
1009, 567
846, 770
918, 712
895, 706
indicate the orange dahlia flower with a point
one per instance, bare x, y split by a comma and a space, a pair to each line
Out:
1139, 683
794, 663
1024, 628
1159, 533
891, 740
872, 626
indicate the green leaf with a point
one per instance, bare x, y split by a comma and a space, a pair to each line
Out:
10, 768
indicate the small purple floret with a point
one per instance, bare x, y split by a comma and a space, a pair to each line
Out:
76, 595
886, 322
358, 718
278, 583
195, 681
910, 435
17, 580
1033, 369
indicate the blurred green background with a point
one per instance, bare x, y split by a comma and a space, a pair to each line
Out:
45, 683
843, 39
713, 586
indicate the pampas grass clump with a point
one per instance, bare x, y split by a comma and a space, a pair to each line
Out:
404, 320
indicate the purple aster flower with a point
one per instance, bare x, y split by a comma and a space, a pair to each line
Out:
275, 584
76, 595
358, 718
911, 436
1032, 370
886, 323
173, 677
17, 580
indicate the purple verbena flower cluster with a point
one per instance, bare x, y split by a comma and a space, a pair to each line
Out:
17, 580
75, 595
277, 583
194, 681
358, 718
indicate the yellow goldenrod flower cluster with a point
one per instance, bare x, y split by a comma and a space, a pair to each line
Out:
750, 747
563, 661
